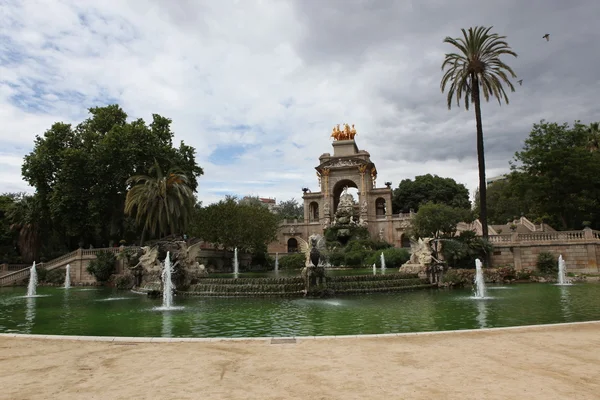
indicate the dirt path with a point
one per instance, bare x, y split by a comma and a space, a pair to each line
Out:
558, 362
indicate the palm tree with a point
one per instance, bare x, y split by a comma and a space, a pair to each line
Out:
593, 132
164, 203
477, 64
25, 219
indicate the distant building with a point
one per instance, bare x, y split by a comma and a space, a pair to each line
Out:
270, 203
498, 178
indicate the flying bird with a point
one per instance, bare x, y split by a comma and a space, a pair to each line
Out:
520, 82
547, 37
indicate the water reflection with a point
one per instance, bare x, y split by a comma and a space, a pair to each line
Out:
482, 314
67, 313
565, 300
29, 314
167, 324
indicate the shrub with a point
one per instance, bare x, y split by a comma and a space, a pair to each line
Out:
356, 258
41, 273
524, 274
103, 266
124, 282
336, 258
55, 276
461, 251
292, 261
394, 258
547, 263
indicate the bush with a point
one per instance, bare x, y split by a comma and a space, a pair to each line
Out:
524, 274
547, 263
55, 276
292, 261
356, 258
337, 258
41, 273
124, 282
102, 267
461, 251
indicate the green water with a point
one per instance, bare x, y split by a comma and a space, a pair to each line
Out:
104, 312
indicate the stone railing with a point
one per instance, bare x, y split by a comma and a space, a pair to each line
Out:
58, 262
555, 236
402, 215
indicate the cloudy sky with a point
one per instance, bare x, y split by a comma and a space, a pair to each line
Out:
256, 86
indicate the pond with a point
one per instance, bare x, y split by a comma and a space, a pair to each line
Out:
106, 312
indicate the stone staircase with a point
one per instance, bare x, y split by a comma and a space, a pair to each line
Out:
79, 259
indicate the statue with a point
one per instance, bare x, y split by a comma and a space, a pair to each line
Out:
423, 262
347, 133
381, 234
313, 273
363, 207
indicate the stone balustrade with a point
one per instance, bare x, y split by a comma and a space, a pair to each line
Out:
580, 249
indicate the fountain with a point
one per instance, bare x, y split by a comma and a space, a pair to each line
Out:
374, 269
276, 262
562, 272
236, 264
382, 263
479, 280
168, 286
31, 287
68, 276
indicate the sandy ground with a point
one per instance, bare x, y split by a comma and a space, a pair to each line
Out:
553, 362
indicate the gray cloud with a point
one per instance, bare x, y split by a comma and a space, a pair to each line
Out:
560, 77
290, 71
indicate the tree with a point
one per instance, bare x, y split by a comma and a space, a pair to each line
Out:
507, 201
80, 173
556, 170
593, 139
8, 236
438, 221
231, 224
477, 65
429, 188
290, 209
162, 203
24, 218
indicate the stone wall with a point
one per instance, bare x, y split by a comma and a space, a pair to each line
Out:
580, 249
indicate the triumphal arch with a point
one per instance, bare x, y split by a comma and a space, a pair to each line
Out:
348, 167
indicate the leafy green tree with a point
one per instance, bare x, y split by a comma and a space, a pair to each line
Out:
507, 201
8, 236
438, 221
593, 139
290, 209
163, 203
25, 219
476, 65
429, 188
80, 173
229, 224
559, 174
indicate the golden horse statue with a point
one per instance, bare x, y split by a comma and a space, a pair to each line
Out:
347, 133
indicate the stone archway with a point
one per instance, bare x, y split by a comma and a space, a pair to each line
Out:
338, 188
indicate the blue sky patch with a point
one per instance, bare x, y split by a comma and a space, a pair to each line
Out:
227, 154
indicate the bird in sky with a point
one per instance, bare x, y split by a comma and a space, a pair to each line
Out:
520, 82
547, 37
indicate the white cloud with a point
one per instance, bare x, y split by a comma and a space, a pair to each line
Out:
213, 65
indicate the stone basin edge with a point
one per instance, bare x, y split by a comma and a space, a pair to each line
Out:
128, 339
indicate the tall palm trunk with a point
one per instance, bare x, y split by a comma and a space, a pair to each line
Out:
480, 159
